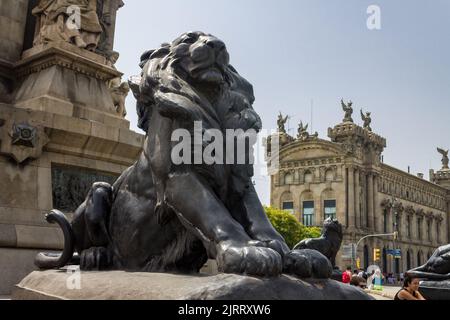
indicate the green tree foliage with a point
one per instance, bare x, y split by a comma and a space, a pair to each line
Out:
290, 229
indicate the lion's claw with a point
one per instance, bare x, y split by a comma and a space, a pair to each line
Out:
250, 260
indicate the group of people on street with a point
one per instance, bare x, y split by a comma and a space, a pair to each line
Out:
361, 279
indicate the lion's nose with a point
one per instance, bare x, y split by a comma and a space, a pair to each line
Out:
215, 44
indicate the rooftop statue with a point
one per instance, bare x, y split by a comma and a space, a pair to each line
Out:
367, 120
348, 111
302, 131
282, 123
445, 159
165, 217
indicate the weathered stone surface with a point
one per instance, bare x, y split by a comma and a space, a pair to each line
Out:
12, 28
155, 286
15, 264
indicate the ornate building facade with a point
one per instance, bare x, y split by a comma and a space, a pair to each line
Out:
346, 178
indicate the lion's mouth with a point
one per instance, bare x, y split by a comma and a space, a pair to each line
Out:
212, 74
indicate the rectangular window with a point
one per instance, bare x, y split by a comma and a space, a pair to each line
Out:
308, 213
330, 209
289, 207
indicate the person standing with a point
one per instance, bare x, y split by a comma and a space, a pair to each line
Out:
347, 276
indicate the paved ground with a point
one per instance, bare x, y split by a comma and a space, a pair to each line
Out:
388, 293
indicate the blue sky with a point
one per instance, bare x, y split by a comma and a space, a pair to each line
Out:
296, 51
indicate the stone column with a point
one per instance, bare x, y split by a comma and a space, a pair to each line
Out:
345, 178
351, 196
433, 230
370, 197
377, 214
358, 213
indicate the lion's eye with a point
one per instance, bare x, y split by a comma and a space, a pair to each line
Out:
189, 40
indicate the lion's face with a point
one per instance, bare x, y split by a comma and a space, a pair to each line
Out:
332, 225
203, 57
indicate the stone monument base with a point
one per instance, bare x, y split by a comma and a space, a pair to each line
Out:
117, 285
435, 290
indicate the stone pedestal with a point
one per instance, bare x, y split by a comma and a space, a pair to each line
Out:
62, 79
54, 171
435, 290
59, 133
62, 285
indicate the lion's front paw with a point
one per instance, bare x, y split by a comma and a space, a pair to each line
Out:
307, 264
249, 260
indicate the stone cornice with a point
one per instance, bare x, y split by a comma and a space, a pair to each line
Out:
404, 177
74, 59
120, 146
6, 68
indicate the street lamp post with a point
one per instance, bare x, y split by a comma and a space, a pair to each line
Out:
355, 248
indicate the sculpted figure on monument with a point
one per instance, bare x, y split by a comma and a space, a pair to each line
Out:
367, 120
119, 90
282, 123
303, 132
348, 111
445, 159
106, 12
73, 21
165, 217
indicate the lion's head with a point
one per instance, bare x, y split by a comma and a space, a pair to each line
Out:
188, 75
332, 226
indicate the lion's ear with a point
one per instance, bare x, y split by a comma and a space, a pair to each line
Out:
145, 57
160, 53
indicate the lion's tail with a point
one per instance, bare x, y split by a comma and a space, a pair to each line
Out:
56, 261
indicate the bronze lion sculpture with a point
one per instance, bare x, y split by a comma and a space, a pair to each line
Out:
165, 217
329, 243
437, 268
